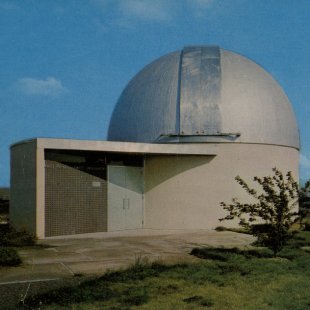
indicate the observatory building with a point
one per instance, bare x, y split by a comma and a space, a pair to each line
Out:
182, 129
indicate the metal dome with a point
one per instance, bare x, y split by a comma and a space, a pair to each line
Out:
204, 94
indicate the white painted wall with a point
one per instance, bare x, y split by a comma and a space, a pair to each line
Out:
185, 191
23, 186
180, 191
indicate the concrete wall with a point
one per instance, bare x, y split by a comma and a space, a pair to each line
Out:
185, 191
181, 191
23, 186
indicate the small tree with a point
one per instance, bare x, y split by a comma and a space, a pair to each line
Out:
304, 201
273, 208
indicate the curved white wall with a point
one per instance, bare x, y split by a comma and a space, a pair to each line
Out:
184, 192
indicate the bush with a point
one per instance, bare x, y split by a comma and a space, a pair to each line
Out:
9, 257
221, 228
9, 236
274, 207
307, 227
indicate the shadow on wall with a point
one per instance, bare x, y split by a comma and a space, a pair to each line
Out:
159, 169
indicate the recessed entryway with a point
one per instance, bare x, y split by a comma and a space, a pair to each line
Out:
125, 197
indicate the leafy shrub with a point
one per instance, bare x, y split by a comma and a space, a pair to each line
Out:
9, 236
307, 226
221, 228
9, 257
274, 206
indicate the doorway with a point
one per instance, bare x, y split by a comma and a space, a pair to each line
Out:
125, 197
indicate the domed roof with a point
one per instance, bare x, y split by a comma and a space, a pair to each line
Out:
204, 94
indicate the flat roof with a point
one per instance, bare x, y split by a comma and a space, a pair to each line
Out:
124, 147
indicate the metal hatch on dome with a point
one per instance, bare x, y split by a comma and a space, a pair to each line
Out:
200, 90
198, 138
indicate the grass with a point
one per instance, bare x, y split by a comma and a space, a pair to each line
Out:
223, 279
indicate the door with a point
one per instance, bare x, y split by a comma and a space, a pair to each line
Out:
125, 198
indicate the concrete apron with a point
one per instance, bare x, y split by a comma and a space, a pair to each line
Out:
93, 254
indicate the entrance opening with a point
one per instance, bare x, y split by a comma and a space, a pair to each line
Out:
76, 191
125, 198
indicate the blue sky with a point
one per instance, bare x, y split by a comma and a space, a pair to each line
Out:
63, 64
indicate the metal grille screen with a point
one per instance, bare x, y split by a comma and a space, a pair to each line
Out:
75, 200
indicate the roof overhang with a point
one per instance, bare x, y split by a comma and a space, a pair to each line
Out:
125, 147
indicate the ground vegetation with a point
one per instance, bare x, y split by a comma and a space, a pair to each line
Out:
231, 279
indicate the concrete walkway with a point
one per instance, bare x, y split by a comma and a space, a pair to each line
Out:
79, 255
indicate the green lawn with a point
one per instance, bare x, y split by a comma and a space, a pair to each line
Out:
224, 279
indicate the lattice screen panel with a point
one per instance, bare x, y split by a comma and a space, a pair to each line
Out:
75, 200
